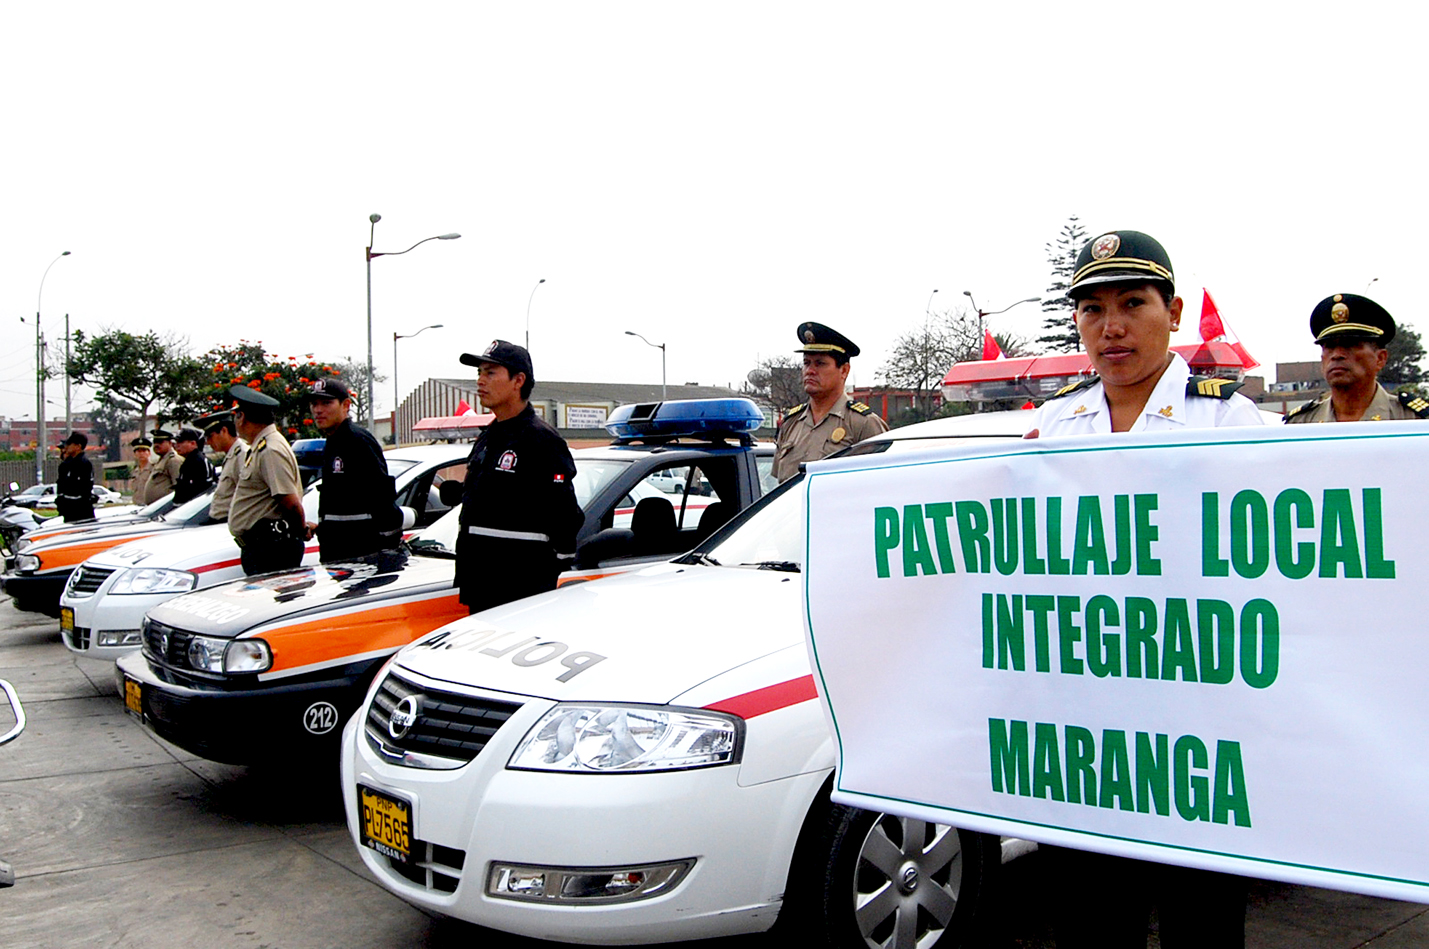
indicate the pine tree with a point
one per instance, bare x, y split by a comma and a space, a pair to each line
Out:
1058, 321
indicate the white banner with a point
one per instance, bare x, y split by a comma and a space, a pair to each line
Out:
1205, 648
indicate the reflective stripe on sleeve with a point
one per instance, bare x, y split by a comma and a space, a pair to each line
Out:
347, 517
508, 535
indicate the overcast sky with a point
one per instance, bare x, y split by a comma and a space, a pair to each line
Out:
708, 175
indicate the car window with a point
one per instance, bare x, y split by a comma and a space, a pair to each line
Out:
684, 487
438, 540
767, 481
771, 533
592, 475
396, 466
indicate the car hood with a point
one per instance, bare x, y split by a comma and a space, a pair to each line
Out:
240, 606
45, 534
198, 546
101, 532
644, 636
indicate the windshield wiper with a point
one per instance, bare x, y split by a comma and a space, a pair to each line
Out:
785, 566
703, 559
430, 548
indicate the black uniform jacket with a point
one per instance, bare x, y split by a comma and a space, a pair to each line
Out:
73, 499
196, 475
357, 510
519, 515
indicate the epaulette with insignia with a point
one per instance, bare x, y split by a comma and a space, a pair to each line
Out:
1415, 403
790, 413
1212, 388
1086, 383
1307, 407
859, 407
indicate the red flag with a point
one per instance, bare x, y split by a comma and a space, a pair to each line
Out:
990, 349
1028, 405
463, 409
1211, 325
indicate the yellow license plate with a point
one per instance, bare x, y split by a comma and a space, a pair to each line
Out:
385, 824
134, 697
67, 619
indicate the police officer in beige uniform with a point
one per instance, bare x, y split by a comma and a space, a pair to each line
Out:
143, 469
829, 420
166, 464
1353, 332
222, 434
265, 516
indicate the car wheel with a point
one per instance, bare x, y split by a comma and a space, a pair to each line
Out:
867, 879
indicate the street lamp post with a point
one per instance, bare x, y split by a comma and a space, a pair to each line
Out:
528, 311
983, 314
396, 392
661, 347
374, 218
40, 379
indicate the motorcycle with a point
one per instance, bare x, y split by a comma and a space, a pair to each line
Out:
7, 873
14, 521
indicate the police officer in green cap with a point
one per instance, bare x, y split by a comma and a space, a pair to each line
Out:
830, 420
265, 516
1353, 333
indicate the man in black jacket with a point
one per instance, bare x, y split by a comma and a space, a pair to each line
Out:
196, 474
73, 491
357, 507
519, 515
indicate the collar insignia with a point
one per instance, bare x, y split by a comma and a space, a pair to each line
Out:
1079, 410
1166, 411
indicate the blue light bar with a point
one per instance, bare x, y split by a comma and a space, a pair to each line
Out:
687, 418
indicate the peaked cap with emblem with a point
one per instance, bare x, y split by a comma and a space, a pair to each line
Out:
1121, 257
162, 435
213, 418
514, 357
330, 388
141, 442
818, 338
249, 396
1350, 318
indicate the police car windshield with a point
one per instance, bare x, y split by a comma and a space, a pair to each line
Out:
592, 475
396, 466
771, 538
190, 508
438, 540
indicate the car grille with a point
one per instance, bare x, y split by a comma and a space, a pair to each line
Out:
86, 580
449, 725
167, 645
78, 638
433, 867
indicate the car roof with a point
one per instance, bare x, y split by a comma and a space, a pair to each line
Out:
426, 453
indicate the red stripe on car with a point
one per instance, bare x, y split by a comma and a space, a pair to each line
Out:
768, 699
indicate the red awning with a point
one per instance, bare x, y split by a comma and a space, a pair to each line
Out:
1203, 357
452, 426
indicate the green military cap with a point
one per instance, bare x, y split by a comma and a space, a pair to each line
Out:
162, 435
141, 442
818, 338
1350, 318
249, 396
1121, 257
213, 418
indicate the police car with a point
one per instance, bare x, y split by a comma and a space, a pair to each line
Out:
268, 668
643, 760
105, 600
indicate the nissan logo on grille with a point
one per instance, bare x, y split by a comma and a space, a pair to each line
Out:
404, 716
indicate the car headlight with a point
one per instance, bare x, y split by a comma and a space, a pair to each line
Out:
605, 738
27, 562
154, 580
207, 654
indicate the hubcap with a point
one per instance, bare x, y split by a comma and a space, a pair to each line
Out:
907, 881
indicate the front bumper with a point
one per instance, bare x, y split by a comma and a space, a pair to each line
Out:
463, 821
39, 592
248, 722
103, 613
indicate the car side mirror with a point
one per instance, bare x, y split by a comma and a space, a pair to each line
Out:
450, 492
409, 518
605, 545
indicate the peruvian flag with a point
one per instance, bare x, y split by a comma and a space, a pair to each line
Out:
1213, 328
463, 409
990, 349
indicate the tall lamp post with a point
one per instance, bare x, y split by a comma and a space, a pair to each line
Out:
374, 218
40, 379
661, 347
528, 311
983, 314
396, 392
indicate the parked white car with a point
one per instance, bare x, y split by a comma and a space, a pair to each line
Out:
643, 760
103, 605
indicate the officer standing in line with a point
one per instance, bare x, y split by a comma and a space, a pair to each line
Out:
265, 516
1353, 333
357, 508
519, 515
196, 474
166, 464
829, 420
222, 436
74, 498
1125, 295
142, 448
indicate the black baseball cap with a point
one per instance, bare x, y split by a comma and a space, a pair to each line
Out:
330, 388
189, 435
1122, 257
515, 358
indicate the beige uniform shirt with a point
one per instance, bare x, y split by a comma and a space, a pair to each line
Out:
141, 482
268, 470
1382, 408
165, 475
801, 440
227, 479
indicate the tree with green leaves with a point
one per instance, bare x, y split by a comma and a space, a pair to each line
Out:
139, 371
288, 379
1406, 354
1059, 324
921, 357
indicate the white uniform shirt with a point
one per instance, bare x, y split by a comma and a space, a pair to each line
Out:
1085, 412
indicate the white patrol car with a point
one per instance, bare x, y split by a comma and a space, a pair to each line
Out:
644, 760
103, 605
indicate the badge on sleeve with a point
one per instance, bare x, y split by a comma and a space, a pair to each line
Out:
337, 466
560, 479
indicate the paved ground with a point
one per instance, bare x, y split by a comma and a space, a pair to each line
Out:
120, 840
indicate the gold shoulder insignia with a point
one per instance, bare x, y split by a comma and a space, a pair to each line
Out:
1414, 403
790, 413
1086, 383
1212, 388
1307, 407
859, 407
